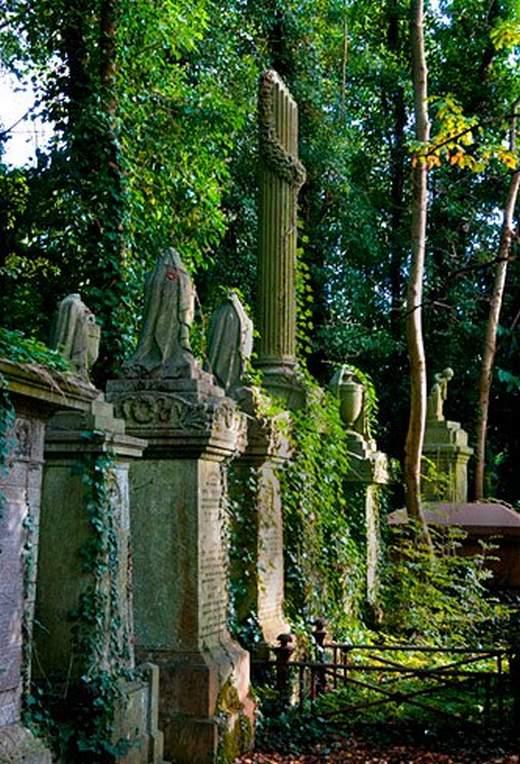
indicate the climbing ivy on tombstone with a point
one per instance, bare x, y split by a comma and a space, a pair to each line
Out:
325, 567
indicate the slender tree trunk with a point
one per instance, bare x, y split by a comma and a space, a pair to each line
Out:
416, 425
490, 342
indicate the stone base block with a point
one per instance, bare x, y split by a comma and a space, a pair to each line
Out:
17, 744
205, 711
137, 720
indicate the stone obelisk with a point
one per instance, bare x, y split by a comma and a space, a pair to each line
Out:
281, 175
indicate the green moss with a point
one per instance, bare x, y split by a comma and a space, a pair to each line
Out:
237, 739
233, 742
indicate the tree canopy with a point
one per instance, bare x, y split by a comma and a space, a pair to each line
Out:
153, 107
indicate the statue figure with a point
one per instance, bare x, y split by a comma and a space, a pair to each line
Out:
438, 395
230, 343
76, 335
164, 348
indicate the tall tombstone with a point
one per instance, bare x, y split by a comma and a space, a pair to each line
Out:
445, 451
177, 495
84, 622
281, 175
254, 485
34, 397
368, 468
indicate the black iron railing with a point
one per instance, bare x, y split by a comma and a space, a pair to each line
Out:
406, 674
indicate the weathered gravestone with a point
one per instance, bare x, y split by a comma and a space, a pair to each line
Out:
35, 395
281, 175
253, 481
368, 468
177, 502
84, 607
446, 452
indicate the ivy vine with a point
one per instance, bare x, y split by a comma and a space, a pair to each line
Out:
325, 564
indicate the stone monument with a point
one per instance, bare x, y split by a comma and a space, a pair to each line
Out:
34, 398
177, 504
82, 447
281, 175
75, 334
368, 467
255, 485
253, 480
445, 451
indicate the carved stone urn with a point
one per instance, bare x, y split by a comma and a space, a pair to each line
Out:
350, 393
351, 399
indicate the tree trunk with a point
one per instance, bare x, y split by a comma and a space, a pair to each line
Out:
490, 342
416, 425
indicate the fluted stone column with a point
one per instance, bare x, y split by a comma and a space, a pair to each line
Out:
281, 176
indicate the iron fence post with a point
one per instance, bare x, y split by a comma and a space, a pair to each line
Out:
283, 655
319, 635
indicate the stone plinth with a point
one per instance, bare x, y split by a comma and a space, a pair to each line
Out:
76, 445
447, 451
255, 487
35, 395
180, 561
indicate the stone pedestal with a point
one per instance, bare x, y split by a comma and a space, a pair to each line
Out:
34, 397
71, 543
259, 531
369, 473
446, 449
180, 562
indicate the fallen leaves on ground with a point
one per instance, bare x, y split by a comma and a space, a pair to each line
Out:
356, 750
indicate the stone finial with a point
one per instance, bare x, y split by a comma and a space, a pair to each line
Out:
76, 335
281, 174
438, 394
164, 349
230, 343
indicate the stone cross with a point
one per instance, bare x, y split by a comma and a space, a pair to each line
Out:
281, 176
76, 335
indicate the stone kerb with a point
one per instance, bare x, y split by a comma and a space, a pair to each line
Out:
35, 393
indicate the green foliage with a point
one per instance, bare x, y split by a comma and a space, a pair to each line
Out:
175, 162
19, 349
421, 594
324, 565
